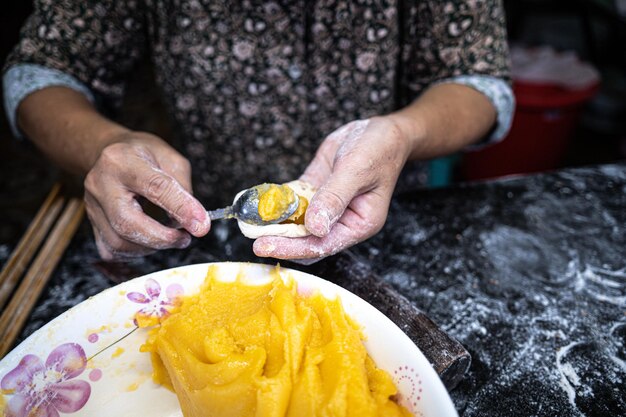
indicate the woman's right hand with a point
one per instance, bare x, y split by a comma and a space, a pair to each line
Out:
131, 166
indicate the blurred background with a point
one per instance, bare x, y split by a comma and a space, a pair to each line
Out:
569, 66
569, 70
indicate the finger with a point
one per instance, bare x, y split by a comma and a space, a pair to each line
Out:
166, 192
310, 247
125, 216
110, 245
109, 253
179, 168
351, 229
331, 200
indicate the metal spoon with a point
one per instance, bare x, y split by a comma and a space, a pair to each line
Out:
246, 208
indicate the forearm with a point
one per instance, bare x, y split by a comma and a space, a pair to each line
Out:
444, 119
66, 127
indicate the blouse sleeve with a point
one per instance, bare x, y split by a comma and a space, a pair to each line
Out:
458, 37
93, 42
464, 42
23, 79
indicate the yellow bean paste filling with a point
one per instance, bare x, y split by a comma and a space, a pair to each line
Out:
263, 350
274, 201
298, 216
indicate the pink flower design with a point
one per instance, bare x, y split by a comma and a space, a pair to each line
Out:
157, 307
45, 390
409, 381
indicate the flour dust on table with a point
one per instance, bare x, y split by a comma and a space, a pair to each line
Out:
529, 274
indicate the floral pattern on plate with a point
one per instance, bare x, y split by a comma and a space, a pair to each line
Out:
158, 306
46, 389
38, 389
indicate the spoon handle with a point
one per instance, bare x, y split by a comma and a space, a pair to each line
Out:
222, 213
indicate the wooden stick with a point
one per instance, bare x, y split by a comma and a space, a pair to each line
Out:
26, 295
25, 249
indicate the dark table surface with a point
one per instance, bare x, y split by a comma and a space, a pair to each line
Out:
528, 273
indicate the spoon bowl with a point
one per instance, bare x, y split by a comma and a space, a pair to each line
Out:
246, 208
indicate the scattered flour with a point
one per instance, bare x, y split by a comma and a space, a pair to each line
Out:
569, 378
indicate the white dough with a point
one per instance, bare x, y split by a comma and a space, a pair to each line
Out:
285, 230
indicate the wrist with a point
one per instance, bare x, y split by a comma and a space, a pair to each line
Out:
106, 133
65, 125
410, 131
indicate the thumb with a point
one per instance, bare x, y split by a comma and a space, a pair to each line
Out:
329, 203
180, 169
166, 192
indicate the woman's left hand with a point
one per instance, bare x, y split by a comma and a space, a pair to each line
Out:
356, 169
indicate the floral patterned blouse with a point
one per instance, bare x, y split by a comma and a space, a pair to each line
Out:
255, 86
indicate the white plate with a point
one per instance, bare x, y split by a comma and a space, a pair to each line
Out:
56, 367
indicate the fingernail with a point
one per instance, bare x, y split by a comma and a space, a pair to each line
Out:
320, 224
199, 224
264, 248
196, 226
268, 248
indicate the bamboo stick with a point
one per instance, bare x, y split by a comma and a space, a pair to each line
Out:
29, 243
26, 295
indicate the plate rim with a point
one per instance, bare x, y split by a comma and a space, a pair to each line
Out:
438, 386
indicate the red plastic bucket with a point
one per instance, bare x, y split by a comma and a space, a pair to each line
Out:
544, 121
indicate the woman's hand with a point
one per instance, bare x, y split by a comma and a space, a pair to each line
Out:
132, 166
356, 169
